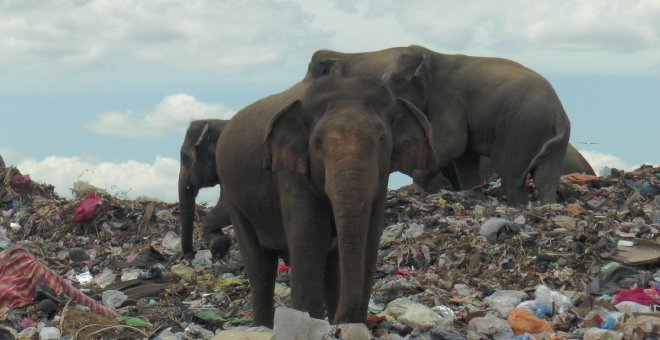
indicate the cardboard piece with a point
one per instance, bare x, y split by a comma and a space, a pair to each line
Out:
641, 252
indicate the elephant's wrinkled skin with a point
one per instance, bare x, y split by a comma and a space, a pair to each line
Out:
477, 107
305, 175
198, 170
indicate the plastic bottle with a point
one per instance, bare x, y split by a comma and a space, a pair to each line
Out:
50, 333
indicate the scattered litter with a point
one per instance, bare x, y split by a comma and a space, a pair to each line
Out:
451, 266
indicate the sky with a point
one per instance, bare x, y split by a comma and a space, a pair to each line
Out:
102, 91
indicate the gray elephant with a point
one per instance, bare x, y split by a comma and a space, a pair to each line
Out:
573, 162
305, 175
477, 107
198, 170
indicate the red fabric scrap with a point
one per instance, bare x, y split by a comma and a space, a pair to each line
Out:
21, 273
86, 208
581, 179
20, 181
282, 268
635, 295
403, 271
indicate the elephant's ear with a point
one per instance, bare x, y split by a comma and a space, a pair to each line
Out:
286, 141
422, 76
409, 76
202, 143
323, 67
412, 147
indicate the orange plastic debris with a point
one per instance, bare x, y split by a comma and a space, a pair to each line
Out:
581, 179
523, 321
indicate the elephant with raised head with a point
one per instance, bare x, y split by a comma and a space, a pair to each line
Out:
198, 170
477, 107
305, 175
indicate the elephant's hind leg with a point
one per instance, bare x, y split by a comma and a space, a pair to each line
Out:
260, 267
510, 166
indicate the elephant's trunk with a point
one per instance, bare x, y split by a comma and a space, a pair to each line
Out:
187, 194
351, 189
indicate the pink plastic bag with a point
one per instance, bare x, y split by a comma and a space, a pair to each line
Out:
21, 181
86, 208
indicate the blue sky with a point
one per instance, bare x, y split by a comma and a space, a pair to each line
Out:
103, 90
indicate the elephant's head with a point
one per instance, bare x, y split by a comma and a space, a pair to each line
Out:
197, 171
345, 136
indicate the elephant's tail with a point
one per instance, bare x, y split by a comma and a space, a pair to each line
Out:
562, 129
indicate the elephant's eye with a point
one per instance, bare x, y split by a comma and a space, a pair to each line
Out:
381, 140
318, 143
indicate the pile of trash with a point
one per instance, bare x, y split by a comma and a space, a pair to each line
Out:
452, 265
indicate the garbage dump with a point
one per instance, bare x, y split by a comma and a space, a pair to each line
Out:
452, 265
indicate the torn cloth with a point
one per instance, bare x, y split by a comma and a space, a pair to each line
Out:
637, 295
21, 273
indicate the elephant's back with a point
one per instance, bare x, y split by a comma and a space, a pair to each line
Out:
575, 162
373, 63
240, 144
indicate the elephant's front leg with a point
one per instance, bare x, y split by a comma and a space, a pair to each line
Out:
260, 267
307, 226
467, 170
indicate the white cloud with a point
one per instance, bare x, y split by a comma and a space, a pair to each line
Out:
9, 155
174, 112
215, 36
600, 160
220, 37
567, 36
514, 24
157, 179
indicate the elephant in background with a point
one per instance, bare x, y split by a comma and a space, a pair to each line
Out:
198, 170
304, 173
573, 162
477, 106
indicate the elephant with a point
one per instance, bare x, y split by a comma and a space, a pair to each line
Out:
304, 173
198, 170
477, 106
573, 162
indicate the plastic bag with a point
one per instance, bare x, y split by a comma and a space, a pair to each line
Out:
86, 208
504, 300
550, 297
411, 313
296, 325
489, 327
